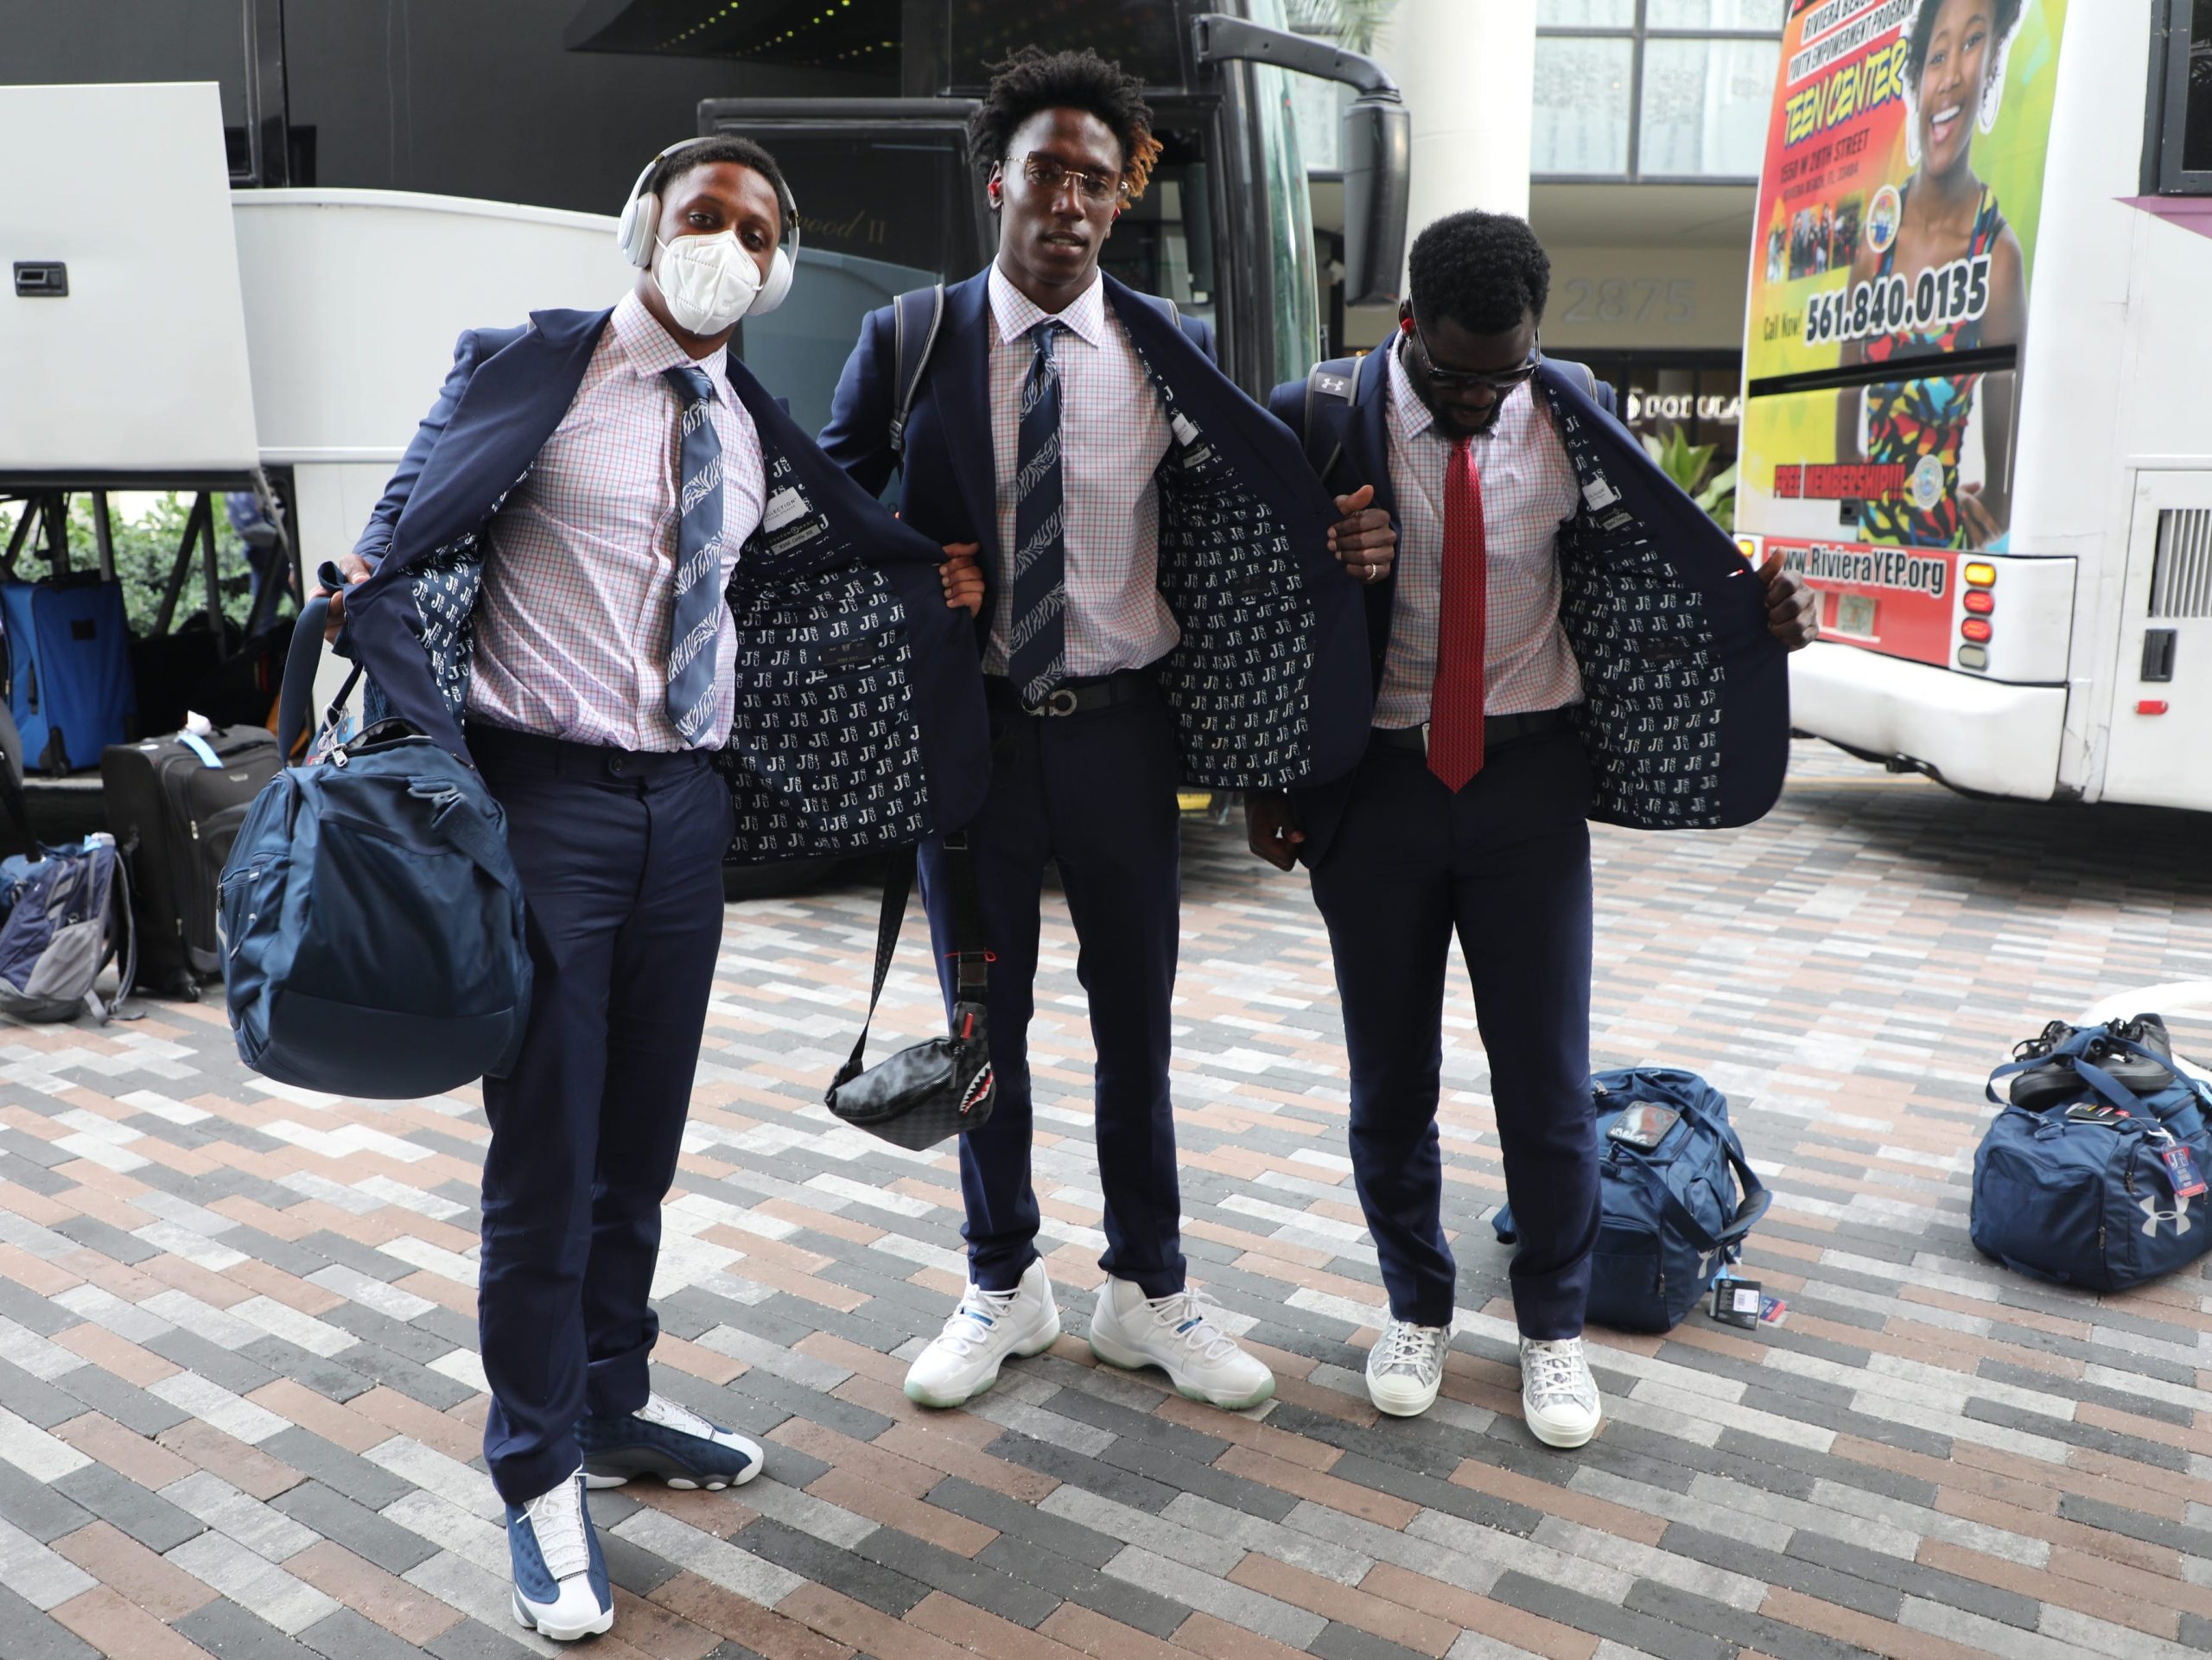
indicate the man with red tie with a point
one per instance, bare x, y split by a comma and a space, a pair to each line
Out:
1562, 635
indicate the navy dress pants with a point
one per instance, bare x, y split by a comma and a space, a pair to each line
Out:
1094, 793
1506, 863
620, 858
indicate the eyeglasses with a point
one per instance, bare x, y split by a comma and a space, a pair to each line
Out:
1463, 380
1051, 175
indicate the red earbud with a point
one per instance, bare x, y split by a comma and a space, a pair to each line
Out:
1405, 325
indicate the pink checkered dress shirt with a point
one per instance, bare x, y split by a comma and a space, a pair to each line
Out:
1528, 488
1112, 434
580, 567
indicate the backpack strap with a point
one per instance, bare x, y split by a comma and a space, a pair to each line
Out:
1336, 381
915, 316
1166, 307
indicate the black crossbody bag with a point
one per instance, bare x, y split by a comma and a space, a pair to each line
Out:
925, 1093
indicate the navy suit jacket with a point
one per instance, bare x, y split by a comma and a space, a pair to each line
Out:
1686, 715
1268, 685
859, 719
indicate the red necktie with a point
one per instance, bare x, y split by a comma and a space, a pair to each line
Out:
1455, 700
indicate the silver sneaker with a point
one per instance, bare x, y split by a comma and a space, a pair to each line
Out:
1559, 1397
963, 1359
1404, 1368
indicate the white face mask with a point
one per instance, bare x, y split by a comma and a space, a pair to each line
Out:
708, 281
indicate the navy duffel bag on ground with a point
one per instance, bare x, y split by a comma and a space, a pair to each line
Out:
2099, 1185
371, 921
1676, 1194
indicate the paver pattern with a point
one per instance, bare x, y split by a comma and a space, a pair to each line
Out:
240, 1399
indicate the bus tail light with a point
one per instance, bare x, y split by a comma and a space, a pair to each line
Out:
1979, 575
1975, 629
1981, 602
1972, 657
2151, 706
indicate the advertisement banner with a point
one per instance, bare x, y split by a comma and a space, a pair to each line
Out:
1899, 212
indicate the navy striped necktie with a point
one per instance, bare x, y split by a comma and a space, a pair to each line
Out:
1037, 641
695, 621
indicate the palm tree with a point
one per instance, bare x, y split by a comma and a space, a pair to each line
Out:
1356, 25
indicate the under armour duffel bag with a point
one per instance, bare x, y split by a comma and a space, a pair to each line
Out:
2099, 1186
1676, 1195
371, 920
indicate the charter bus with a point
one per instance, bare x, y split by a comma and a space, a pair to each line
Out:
1978, 388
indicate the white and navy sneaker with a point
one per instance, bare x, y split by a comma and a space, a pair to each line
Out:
1559, 1397
560, 1588
1404, 1368
673, 1442
963, 1360
1177, 1334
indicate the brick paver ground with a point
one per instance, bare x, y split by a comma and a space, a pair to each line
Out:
239, 1397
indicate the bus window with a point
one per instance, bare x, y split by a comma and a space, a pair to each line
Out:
2196, 121
1295, 277
1164, 243
879, 217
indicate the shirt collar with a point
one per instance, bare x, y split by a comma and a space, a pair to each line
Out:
650, 350
1016, 314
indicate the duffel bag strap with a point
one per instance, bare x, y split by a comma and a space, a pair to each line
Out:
297, 692
1748, 1211
968, 936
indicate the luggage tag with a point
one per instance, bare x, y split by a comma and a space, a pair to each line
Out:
2181, 1170
1737, 1302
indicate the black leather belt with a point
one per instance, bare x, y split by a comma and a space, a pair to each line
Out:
1498, 729
1076, 696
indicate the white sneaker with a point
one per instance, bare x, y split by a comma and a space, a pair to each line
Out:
561, 1586
987, 1326
1559, 1397
1406, 1368
1178, 1335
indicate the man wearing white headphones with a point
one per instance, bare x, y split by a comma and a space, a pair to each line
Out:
547, 587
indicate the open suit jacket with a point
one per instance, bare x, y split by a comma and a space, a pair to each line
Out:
1268, 686
858, 721
1685, 713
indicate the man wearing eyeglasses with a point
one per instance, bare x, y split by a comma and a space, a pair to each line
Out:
1564, 635
1161, 600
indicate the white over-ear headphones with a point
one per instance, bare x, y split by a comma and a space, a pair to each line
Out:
641, 218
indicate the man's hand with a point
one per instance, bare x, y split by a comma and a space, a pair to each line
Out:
1982, 528
1271, 827
1793, 610
963, 578
356, 570
1363, 539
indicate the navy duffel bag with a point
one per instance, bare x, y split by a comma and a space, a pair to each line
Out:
371, 922
1676, 1195
2099, 1186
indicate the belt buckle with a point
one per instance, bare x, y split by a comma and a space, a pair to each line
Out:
1057, 702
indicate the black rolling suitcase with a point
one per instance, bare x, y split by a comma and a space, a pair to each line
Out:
175, 805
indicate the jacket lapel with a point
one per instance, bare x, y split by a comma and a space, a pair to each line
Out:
961, 384
514, 400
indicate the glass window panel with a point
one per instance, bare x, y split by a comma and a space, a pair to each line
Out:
2196, 136
1705, 105
1581, 105
1714, 14
1585, 13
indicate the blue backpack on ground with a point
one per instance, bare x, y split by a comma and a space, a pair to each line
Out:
2098, 1186
371, 920
69, 684
65, 915
1676, 1194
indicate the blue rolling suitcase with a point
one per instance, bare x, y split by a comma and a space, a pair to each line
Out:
69, 688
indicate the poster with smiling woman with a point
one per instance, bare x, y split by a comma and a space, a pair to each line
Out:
1897, 213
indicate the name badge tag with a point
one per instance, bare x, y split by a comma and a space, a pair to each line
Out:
784, 506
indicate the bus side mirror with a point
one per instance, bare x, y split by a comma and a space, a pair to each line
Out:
1377, 154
